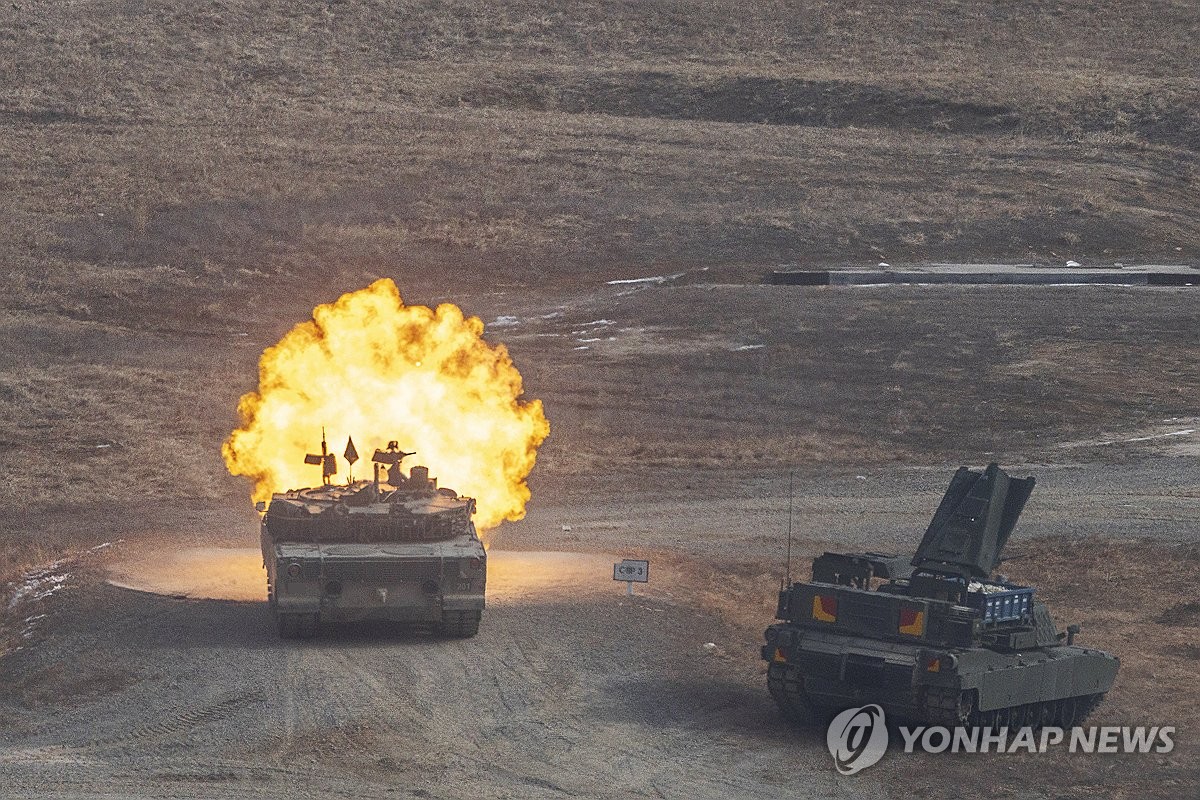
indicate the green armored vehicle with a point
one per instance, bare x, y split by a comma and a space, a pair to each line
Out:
934, 639
400, 550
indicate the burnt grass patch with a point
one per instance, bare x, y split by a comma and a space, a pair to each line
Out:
739, 99
1182, 614
825, 104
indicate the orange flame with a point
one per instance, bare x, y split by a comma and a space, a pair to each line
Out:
371, 367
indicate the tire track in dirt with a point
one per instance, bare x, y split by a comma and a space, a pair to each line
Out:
561, 694
181, 722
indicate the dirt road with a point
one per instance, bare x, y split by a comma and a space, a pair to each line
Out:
570, 689
671, 432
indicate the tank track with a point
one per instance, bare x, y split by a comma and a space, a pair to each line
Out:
785, 682
950, 708
1064, 713
460, 624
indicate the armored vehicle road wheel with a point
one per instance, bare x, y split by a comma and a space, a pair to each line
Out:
984, 719
460, 624
1022, 716
1065, 713
786, 685
1003, 718
1083, 708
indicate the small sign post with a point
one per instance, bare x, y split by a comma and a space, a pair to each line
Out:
631, 571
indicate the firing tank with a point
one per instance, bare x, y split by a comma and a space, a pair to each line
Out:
396, 548
934, 639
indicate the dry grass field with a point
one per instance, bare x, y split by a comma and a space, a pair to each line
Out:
181, 182
175, 150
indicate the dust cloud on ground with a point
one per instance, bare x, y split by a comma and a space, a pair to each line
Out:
236, 573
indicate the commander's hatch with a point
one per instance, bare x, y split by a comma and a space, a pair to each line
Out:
973, 522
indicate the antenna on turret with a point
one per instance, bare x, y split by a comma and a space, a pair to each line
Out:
327, 460
788, 571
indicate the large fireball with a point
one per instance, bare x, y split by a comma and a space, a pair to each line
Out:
370, 367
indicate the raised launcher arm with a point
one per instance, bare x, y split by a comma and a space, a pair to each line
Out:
973, 522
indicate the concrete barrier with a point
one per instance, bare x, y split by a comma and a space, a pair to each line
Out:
989, 274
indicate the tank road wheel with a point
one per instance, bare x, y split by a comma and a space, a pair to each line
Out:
980, 719
460, 624
1084, 706
1064, 712
988, 720
965, 709
1072, 711
786, 685
1003, 718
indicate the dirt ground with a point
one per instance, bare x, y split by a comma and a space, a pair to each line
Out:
570, 687
605, 187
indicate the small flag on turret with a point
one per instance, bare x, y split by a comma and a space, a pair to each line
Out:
351, 453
